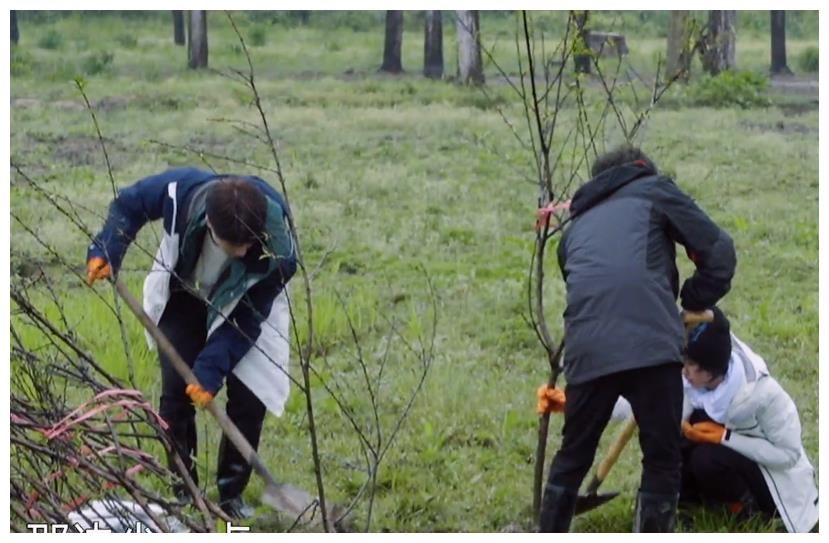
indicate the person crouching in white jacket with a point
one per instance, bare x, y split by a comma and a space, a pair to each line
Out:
743, 445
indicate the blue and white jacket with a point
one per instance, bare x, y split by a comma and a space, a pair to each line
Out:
250, 293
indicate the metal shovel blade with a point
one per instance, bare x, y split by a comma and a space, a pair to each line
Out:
588, 502
301, 507
291, 501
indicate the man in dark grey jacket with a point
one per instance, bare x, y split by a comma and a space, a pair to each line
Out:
623, 332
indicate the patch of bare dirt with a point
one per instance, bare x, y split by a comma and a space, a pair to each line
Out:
799, 108
793, 84
207, 143
783, 127
78, 150
112, 103
25, 102
149, 102
67, 105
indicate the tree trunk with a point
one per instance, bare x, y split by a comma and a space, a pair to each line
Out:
433, 45
394, 43
178, 27
720, 45
582, 60
197, 39
14, 29
679, 45
778, 43
470, 66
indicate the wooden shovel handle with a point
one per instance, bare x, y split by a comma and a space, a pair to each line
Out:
693, 318
616, 449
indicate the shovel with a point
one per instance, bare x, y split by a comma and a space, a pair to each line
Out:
592, 499
283, 497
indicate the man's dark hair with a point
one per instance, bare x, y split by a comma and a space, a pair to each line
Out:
236, 210
709, 344
624, 154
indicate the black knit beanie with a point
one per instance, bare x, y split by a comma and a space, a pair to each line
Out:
709, 344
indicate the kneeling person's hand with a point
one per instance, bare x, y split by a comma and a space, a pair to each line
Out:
704, 432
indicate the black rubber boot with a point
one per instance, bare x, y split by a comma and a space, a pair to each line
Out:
233, 473
232, 477
247, 412
655, 512
237, 509
557, 509
183, 436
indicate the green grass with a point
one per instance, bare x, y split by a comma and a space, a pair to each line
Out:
387, 176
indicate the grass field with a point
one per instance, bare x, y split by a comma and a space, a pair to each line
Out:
389, 176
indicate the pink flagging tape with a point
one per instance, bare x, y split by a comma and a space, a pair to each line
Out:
74, 419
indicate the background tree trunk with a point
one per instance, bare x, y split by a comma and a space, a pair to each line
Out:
679, 45
433, 45
582, 61
470, 66
197, 39
394, 43
720, 45
14, 29
178, 27
778, 43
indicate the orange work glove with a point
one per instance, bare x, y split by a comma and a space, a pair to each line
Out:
704, 432
550, 400
97, 268
198, 395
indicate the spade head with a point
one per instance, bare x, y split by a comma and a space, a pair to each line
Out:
302, 507
289, 500
588, 502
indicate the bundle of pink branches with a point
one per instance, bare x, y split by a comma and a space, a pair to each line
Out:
95, 466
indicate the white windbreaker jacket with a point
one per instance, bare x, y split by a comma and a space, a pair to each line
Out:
764, 426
